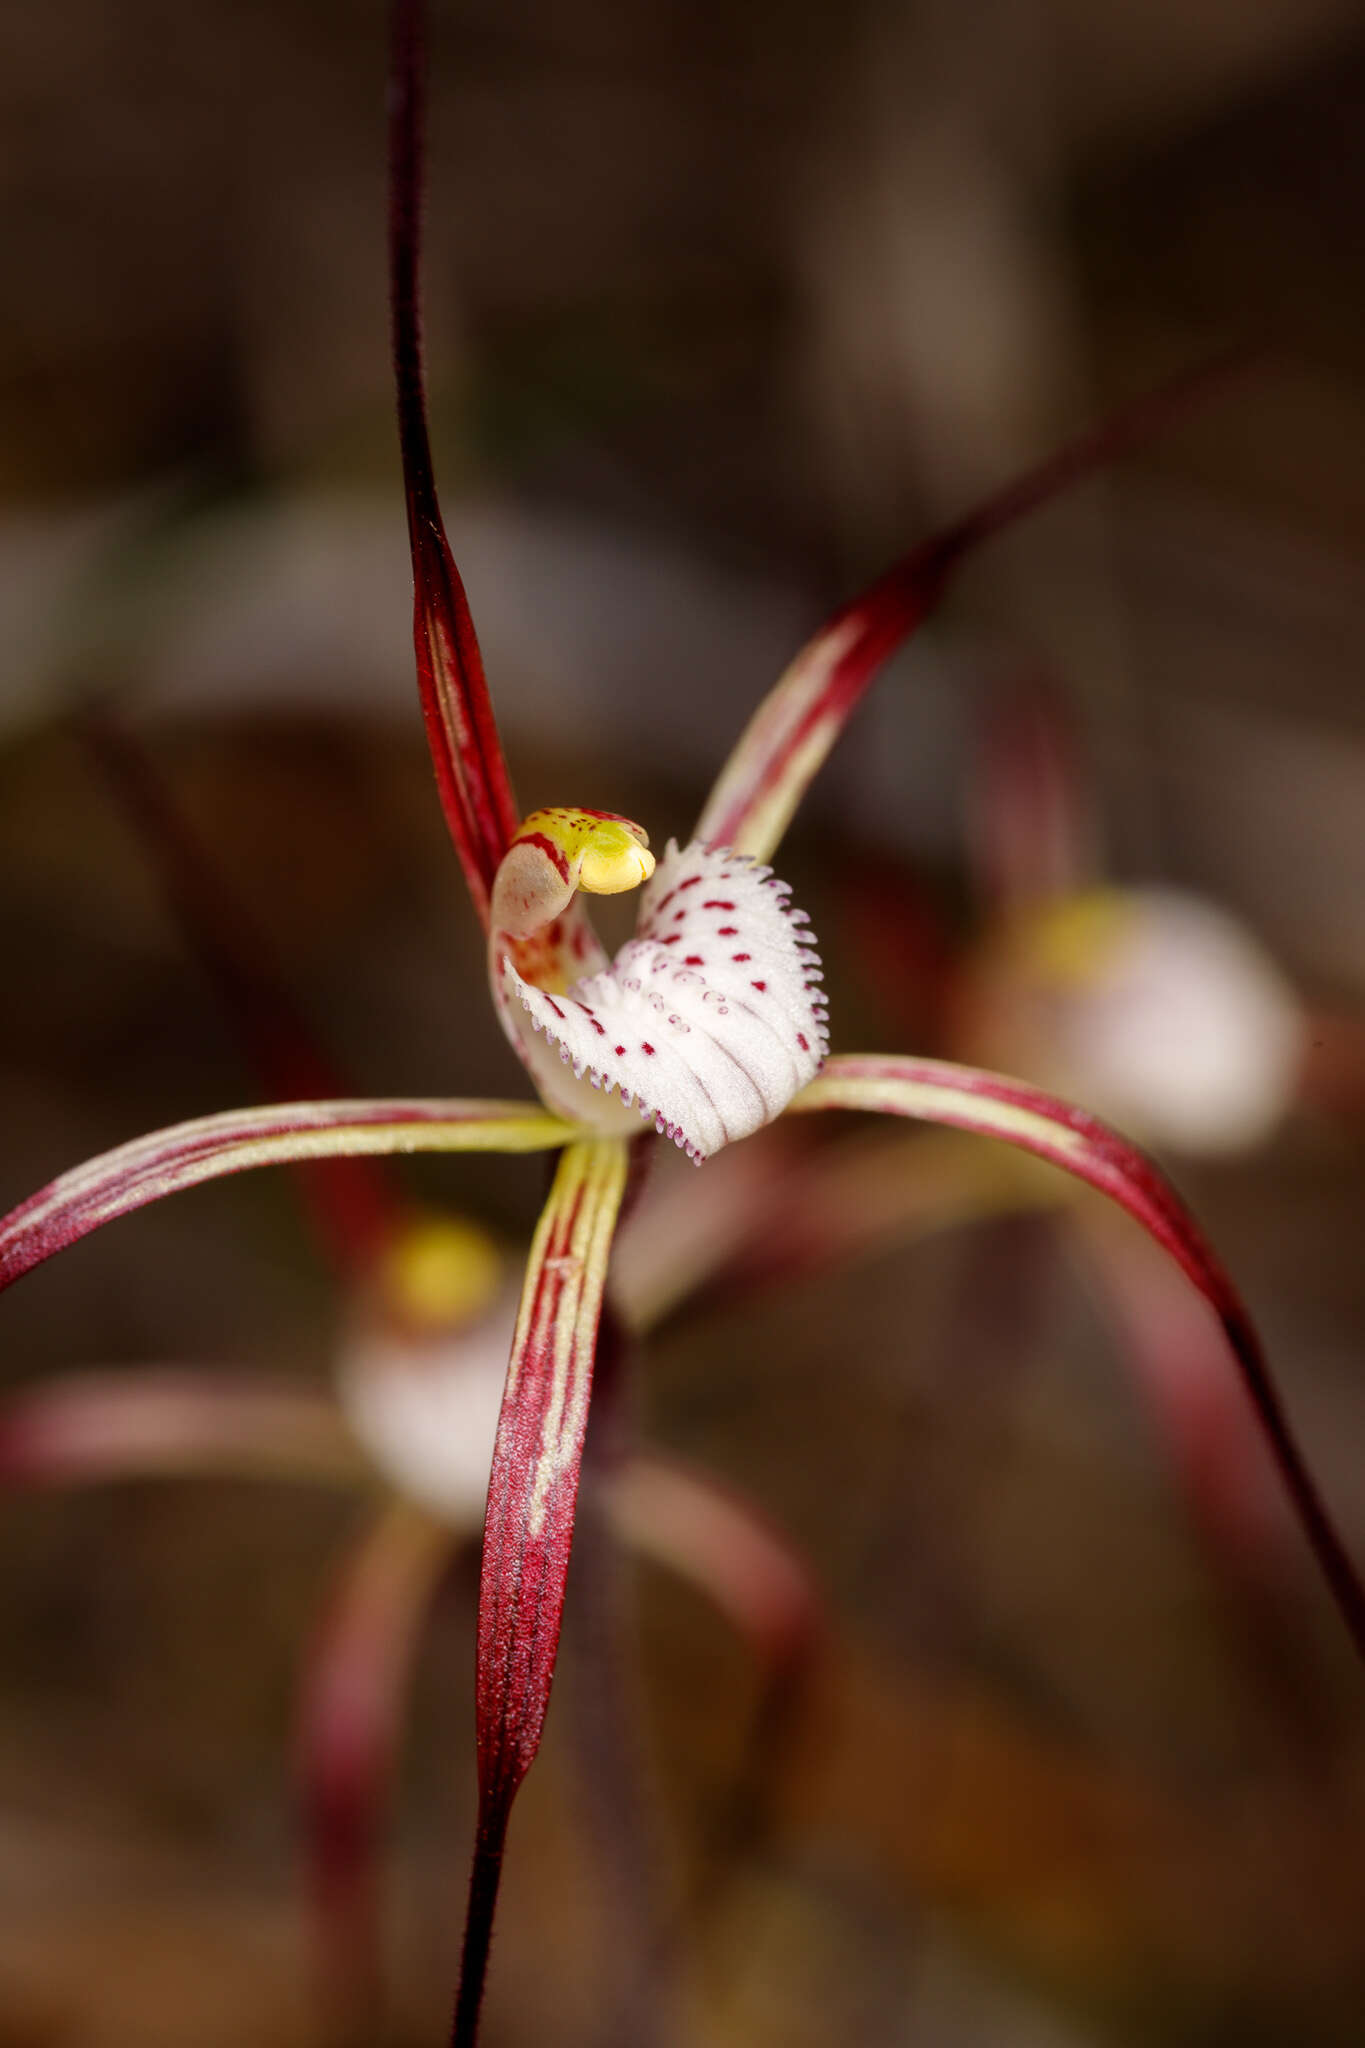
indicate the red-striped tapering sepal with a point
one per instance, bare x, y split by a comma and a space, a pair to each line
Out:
534, 1482
462, 733
184, 1154
706, 1023
532, 1496
970, 1099
790, 735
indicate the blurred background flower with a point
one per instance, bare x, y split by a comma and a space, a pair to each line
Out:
726, 306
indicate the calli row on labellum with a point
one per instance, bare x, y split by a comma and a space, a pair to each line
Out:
707, 1022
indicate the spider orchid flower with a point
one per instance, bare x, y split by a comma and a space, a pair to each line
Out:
699, 1056
428, 1309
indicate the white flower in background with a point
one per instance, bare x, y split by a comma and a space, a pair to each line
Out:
1152, 1007
421, 1368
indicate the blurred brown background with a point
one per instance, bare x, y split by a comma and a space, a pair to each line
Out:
726, 305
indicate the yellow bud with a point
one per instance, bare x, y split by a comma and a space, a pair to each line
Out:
440, 1274
1073, 939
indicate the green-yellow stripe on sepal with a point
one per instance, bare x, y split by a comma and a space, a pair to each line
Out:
532, 1494
182, 1155
850, 1081
971, 1099
790, 735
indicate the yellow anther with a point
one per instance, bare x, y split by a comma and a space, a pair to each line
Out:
605, 854
440, 1274
616, 858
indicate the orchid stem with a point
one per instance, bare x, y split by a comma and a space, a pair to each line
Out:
484, 1880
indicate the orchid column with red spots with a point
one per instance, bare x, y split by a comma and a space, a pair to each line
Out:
708, 1024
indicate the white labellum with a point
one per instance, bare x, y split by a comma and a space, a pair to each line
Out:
426, 1408
708, 1021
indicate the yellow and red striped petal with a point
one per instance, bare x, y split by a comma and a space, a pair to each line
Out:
184, 1154
968, 1098
532, 1496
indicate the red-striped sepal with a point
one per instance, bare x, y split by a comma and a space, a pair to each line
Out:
181, 1156
970, 1099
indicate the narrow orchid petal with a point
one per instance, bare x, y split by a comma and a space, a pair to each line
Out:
185, 1154
153, 1421
789, 736
972, 1100
462, 733
351, 1202
707, 1022
531, 1499
686, 1521
350, 1727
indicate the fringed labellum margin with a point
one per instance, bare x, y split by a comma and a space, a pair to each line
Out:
707, 1022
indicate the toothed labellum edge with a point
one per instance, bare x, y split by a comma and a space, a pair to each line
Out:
706, 1023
